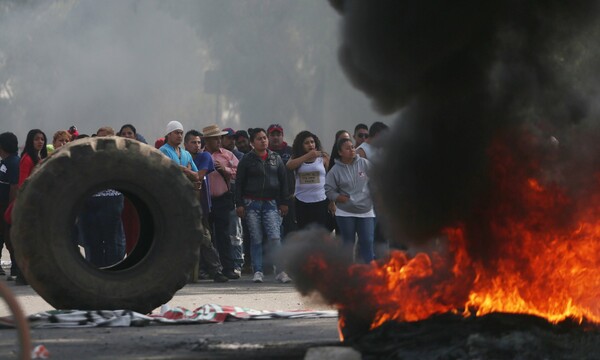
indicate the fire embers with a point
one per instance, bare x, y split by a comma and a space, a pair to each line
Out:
493, 336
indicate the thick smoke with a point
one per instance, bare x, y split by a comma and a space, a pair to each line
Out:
94, 64
98, 63
468, 74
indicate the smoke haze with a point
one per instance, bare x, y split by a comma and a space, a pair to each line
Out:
108, 63
492, 175
467, 75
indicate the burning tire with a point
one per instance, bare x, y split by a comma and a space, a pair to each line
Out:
46, 211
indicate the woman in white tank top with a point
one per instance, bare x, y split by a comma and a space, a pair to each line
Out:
309, 163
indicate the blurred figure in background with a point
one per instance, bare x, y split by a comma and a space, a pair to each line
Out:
60, 138
159, 142
228, 143
129, 216
129, 131
73, 132
340, 134
35, 150
361, 134
278, 145
9, 184
99, 225
371, 150
242, 141
236, 232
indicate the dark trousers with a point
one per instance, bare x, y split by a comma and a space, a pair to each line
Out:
219, 218
101, 230
311, 213
3, 207
209, 256
5, 239
3, 226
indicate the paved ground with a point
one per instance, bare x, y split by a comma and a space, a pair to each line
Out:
265, 339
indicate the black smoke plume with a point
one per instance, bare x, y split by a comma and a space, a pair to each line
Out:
466, 74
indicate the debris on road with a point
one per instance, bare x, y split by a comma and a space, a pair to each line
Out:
40, 352
209, 313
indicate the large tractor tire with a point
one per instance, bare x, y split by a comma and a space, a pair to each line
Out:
44, 217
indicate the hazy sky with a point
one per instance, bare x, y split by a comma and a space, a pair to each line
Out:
97, 63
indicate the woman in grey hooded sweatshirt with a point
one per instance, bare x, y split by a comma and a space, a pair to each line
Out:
347, 184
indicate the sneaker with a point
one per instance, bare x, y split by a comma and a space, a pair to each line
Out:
220, 278
283, 278
258, 277
203, 275
231, 274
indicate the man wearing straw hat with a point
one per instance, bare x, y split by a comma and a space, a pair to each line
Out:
221, 196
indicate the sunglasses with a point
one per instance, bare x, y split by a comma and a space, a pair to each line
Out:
363, 136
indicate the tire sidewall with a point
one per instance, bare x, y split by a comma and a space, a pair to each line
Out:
48, 203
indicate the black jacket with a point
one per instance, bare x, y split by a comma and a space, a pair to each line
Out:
261, 179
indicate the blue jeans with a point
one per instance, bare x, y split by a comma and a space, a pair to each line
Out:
262, 217
237, 240
365, 227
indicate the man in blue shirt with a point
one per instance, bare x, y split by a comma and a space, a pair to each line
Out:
210, 264
172, 149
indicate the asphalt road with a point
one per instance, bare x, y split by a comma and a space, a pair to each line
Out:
265, 339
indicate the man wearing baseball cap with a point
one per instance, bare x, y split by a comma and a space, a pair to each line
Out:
228, 142
276, 143
242, 141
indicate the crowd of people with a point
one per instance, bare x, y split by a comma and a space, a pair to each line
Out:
253, 188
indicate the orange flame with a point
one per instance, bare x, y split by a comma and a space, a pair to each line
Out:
546, 258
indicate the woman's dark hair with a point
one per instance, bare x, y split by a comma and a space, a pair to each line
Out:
298, 148
128, 126
340, 143
30, 150
334, 153
9, 143
253, 131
